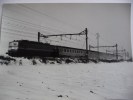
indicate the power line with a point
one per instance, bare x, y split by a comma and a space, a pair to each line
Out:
55, 30
10, 33
51, 17
17, 31
30, 33
34, 25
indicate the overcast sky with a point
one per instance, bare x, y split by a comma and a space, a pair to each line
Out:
111, 21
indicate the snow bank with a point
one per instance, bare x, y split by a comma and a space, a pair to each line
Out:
66, 82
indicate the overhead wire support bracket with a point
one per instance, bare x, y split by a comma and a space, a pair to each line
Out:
85, 32
116, 46
47, 36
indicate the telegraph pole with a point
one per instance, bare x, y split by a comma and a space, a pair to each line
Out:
97, 36
39, 36
86, 32
116, 51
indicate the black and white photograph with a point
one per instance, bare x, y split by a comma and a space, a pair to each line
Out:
66, 51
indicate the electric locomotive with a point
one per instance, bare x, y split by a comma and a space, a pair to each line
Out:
25, 48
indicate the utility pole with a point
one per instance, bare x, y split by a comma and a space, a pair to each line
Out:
116, 52
86, 32
39, 36
97, 36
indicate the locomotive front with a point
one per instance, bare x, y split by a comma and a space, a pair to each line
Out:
25, 48
13, 48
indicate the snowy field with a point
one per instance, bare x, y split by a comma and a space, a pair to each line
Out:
91, 81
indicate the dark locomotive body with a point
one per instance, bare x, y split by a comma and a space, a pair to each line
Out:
25, 48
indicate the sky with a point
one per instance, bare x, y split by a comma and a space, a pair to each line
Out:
111, 21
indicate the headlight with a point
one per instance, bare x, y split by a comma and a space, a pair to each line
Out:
13, 48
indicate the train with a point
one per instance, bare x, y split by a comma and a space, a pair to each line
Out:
26, 48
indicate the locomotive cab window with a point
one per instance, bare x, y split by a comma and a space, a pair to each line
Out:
13, 45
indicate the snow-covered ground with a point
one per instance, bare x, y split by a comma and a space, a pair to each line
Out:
67, 81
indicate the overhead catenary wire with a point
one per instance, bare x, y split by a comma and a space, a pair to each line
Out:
17, 31
42, 31
20, 35
33, 24
51, 33
51, 17
55, 30
30, 35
